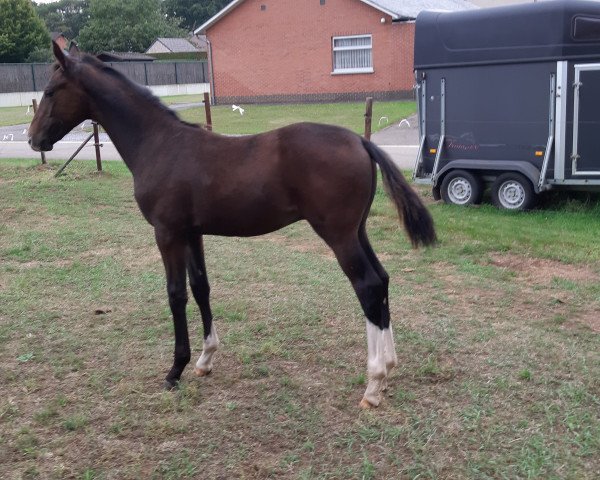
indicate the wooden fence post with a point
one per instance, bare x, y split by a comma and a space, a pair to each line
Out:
35, 105
59, 171
368, 117
207, 111
97, 146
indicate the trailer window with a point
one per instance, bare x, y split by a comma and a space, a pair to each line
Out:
586, 28
353, 54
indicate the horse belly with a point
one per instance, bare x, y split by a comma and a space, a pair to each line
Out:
249, 218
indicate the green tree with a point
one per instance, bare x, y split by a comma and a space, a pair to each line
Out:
126, 25
65, 16
193, 13
21, 31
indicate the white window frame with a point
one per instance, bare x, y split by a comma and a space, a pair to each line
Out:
345, 71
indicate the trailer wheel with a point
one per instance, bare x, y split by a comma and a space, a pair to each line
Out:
461, 187
513, 191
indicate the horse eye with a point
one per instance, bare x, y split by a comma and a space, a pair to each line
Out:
49, 93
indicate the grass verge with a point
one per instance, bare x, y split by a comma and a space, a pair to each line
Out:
15, 116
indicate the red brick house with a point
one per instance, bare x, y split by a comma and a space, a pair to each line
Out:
270, 51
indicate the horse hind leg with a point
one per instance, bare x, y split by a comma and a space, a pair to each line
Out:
371, 290
381, 350
200, 287
391, 359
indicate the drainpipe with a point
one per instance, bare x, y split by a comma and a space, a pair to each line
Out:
211, 79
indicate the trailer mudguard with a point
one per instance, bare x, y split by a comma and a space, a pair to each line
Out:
489, 166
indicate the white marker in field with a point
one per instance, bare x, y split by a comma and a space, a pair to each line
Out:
240, 109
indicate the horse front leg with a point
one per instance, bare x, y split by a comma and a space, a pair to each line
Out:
172, 249
201, 290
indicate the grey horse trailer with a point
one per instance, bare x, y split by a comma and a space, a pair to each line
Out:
508, 97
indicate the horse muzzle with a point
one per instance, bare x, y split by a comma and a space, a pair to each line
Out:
41, 145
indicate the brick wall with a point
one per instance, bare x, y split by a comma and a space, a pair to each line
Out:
282, 52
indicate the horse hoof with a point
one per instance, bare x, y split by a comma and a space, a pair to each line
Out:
365, 404
201, 372
171, 385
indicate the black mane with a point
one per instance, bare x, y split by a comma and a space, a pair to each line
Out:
140, 90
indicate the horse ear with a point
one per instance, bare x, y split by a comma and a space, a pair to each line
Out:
73, 49
60, 55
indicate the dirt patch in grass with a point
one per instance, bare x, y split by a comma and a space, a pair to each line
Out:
301, 245
538, 281
540, 270
10, 213
589, 319
309, 244
524, 289
32, 264
133, 258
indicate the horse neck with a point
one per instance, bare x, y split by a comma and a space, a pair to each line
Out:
133, 121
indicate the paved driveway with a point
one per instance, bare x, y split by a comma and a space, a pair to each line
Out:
13, 144
400, 141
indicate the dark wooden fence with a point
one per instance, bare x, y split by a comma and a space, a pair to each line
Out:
33, 77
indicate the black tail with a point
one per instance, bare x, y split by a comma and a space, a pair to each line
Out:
417, 219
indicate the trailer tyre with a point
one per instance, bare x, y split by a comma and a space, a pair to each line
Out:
461, 187
513, 191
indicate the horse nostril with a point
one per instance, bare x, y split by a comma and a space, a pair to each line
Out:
29, 142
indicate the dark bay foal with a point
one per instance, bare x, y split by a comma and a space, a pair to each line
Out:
189, 182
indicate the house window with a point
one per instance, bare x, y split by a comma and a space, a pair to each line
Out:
353, 54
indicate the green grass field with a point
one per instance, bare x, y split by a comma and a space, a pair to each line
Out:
497, 331
14, 116
261, 118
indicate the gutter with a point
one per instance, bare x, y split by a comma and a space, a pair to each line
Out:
394, 15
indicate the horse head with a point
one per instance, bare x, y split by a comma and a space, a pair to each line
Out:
64, 104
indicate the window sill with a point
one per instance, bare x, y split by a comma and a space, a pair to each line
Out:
352, 71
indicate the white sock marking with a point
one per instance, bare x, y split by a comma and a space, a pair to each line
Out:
391, 359
378, 356
208, 350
